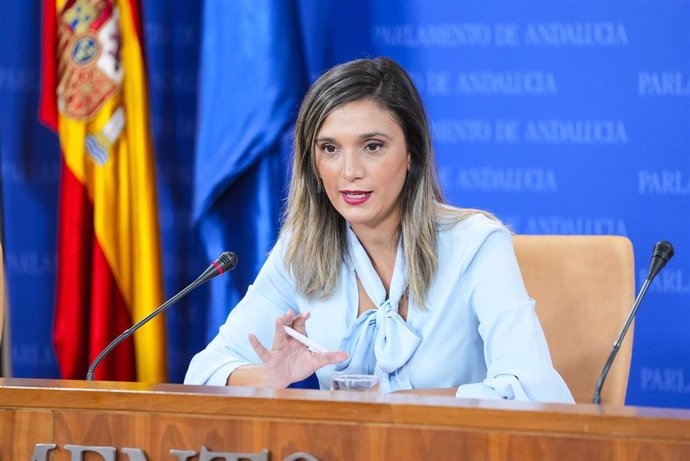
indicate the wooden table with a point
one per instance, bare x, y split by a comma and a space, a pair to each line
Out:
152, 420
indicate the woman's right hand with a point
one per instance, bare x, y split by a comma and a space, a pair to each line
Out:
288, 360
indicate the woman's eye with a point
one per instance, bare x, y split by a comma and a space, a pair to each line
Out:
373, 146
328, 148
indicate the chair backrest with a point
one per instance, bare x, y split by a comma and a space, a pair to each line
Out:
584, 287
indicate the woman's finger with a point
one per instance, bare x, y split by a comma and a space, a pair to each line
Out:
321, 359
279, 336
300, 322
288, 318
263, 353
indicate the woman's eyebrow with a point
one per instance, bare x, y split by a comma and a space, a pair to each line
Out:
373, 134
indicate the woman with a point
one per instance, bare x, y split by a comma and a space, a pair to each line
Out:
393, 281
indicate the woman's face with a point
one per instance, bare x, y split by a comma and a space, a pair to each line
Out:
362, 159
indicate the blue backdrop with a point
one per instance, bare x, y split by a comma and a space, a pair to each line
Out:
560, 117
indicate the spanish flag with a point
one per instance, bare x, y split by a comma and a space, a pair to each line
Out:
109, 275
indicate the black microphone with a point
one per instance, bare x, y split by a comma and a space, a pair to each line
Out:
224, 263
663, 251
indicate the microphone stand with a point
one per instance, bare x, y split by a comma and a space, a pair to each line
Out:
663, 251
617, 344
225, 262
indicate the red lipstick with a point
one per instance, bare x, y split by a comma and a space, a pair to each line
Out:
355, 197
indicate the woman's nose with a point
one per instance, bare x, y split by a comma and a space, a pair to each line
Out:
352, 167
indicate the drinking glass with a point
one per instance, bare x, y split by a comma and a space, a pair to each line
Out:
357, 383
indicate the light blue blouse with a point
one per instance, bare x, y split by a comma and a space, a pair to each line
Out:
479, 331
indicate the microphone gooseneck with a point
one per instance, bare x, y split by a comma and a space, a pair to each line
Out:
663, 251
224, 263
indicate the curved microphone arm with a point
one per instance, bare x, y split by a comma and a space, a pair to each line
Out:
663, 251
617, 344
224, 263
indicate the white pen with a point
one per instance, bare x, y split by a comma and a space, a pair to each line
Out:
311, 345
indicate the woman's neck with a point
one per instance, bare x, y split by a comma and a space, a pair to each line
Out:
381, 246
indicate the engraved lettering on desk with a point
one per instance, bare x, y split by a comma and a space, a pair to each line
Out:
136, 454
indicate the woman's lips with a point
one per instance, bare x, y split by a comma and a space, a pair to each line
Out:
355, 197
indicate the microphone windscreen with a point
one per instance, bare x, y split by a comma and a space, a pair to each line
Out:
227, 261
663, 251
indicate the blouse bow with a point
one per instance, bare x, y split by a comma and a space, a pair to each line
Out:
379, 342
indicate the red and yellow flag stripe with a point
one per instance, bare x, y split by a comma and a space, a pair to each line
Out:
109, 272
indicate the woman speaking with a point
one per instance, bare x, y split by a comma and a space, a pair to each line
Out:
372, 265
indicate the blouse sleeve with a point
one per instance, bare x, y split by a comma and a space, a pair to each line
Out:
270, 296
515, 351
